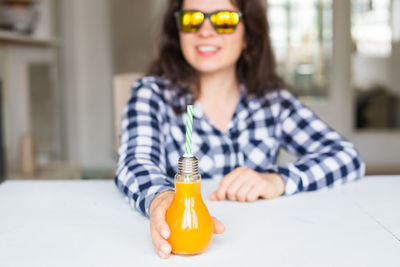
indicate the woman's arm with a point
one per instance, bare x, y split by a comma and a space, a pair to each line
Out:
141, 171
325, 158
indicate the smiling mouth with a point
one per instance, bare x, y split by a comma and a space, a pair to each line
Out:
207, 50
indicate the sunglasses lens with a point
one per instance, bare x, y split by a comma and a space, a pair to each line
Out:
190, 21
225, 21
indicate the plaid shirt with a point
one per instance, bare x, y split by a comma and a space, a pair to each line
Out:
153, 138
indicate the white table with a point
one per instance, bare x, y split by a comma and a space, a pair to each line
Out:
88, 223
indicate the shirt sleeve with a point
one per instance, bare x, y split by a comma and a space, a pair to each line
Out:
141, 172
325, 158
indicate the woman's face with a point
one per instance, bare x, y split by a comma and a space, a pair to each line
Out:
206, 50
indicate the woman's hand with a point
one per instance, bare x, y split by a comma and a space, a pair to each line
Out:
159, 228
246, 185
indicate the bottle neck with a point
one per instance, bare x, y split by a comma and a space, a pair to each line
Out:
188, 179
188, 165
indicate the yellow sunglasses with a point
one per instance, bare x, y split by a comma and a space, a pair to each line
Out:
223, 21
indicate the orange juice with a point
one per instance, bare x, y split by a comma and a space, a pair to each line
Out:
189, 220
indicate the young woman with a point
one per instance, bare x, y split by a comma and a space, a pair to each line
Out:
216, 54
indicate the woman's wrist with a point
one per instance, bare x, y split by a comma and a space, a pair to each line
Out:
275, 185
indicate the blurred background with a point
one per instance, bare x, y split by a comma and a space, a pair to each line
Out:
58, 59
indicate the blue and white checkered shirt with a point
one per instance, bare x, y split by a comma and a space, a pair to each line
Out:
153, 138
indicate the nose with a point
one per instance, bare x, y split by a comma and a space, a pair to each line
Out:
206, 29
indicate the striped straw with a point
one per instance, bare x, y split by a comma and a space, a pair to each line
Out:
189, 125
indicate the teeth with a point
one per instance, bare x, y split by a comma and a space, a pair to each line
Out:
207, 48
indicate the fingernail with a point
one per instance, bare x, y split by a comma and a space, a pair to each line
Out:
165, 250
162, 254
165, 234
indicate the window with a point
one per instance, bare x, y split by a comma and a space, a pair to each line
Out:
301, 35
371, 27
375, 63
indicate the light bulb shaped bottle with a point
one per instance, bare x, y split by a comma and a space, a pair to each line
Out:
188, 217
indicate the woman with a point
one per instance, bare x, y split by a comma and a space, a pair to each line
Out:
217, 55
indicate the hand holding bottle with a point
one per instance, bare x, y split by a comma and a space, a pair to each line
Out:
159, 229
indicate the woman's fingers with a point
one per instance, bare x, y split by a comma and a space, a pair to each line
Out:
159, 234
161, 246
244, 190
253, 194
226, 183
219, 227
236, 185
159, 228
214, 196
247, 185
163, 229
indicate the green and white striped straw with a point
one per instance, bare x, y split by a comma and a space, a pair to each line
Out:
189, 127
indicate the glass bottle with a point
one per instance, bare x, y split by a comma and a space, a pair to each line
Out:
188, 217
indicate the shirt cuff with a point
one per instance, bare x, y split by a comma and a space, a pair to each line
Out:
290, 178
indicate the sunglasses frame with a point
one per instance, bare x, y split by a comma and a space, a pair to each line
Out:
206, 15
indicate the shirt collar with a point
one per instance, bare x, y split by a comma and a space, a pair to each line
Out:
246, 105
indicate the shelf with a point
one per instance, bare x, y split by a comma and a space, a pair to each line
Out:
16, 38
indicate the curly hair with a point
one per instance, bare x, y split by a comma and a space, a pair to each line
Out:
256, 67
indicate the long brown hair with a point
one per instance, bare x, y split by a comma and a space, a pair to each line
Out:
256, 65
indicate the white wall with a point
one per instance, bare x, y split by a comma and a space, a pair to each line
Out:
86, 77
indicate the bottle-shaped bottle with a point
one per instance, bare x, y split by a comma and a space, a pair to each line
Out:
188, 217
